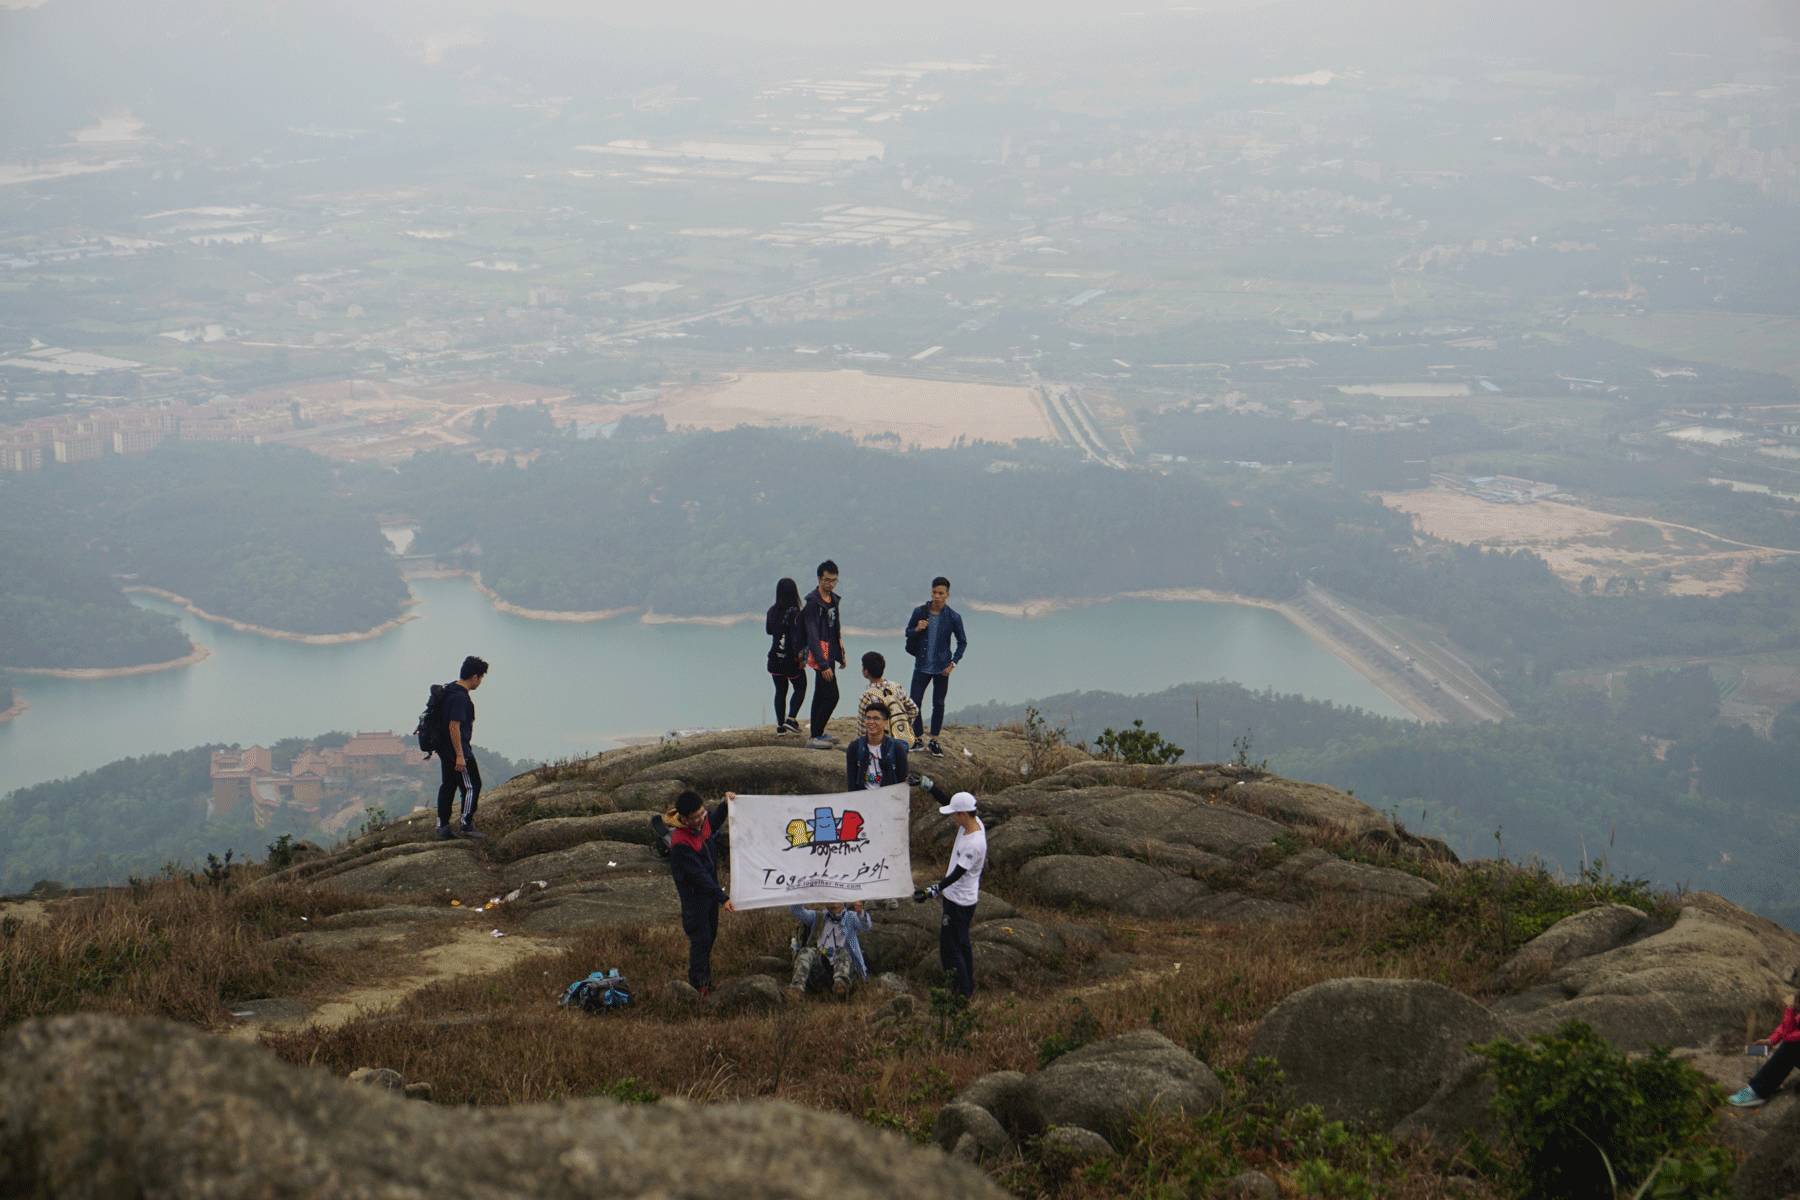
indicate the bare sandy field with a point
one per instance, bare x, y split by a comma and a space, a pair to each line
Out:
927, 413
1580, 542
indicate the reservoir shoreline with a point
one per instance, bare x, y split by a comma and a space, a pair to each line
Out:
1027, 610
563, 689
198, 655
280, 635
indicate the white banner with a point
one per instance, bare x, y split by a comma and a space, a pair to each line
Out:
818, 849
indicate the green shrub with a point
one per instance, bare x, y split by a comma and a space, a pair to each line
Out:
1499, 906
1136, 745
1083, 1028
1251, 1127
1580, 1118
629, 1091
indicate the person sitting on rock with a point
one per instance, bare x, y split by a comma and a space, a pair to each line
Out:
694, 863
1784, 1056
831, 946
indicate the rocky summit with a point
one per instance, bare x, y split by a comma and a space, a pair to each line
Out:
1203, 958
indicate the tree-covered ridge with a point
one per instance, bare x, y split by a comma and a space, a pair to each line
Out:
136, 815
704, 523
1577, 776
57, 606
257, 534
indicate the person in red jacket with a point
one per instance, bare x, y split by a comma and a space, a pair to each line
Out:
1784, 1056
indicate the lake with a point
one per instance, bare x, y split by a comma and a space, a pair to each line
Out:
559, 689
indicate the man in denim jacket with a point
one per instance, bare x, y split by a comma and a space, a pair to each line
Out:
929, 633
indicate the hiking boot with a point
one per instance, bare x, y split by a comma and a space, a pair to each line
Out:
469, 831
819, 743
1745, 1098
784, 729
839, 988
935, 750
793, 726
445, 833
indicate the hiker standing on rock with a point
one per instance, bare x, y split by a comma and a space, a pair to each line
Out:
824, 649
459, 770
694, 863
929, 632
874, 760
787, 639
960, 890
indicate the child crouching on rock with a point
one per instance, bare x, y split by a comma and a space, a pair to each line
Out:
1784, 1056
833, 937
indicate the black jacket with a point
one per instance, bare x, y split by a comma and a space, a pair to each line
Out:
694, 862
824, 631
856, 763
787, 640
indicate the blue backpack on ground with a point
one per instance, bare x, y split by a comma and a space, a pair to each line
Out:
599, 992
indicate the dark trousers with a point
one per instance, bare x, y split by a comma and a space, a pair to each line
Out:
940, 684
452, 783
955, 951
1774, 1073
700, 921
784, 709
825, 698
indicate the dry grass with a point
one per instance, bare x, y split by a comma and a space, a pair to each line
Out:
172, 948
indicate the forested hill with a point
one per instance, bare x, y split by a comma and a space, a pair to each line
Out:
1648, 780
261, 535
704, 523
136, 815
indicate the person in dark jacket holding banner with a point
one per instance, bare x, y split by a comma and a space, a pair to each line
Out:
874, 760
693, 861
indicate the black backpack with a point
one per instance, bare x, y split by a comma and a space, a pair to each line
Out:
432, 730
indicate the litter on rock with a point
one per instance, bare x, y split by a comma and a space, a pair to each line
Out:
611, 863
456, 904
498, 933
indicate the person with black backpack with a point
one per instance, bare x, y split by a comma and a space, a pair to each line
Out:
456, 751
787, 639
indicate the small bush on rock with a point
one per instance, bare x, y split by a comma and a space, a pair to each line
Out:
1136, 745
1499, 906
1083, 1028
1252, 1128
1580, 1118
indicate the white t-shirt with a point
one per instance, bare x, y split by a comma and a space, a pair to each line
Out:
969, 853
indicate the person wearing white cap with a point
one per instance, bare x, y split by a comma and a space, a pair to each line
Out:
960, 889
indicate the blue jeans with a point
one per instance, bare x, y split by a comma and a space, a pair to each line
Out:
939, 685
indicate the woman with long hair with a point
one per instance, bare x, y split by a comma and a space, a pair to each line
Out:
786, 640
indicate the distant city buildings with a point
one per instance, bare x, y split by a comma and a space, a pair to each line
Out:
137, 429
321, 785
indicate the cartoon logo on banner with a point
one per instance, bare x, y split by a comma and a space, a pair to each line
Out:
825, 830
